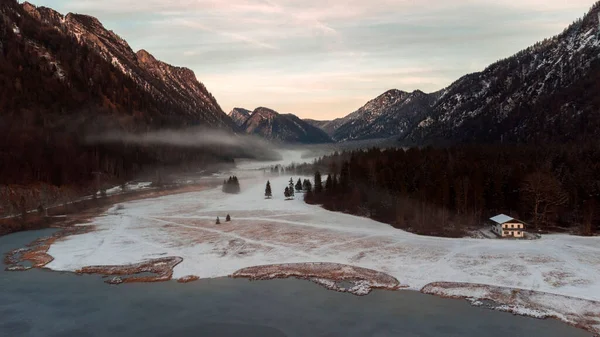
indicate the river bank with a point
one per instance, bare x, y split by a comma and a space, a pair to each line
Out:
41, 302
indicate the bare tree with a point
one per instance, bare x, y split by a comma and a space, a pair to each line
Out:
543, 194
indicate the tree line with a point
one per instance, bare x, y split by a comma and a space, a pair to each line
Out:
446, 191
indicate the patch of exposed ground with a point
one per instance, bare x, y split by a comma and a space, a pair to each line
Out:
578, 312
188, 279
160, 269
329, 275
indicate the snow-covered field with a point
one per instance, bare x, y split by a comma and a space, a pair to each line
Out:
279, 231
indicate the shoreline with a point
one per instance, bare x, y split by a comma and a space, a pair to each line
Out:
332, 276
521, 302
160, 270
81, 211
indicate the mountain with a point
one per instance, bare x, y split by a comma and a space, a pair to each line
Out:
394, 112
286, 128
63, 77
177, 87
545, 93
328, 126
239, 116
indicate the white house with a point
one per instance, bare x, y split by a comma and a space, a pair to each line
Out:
505, 226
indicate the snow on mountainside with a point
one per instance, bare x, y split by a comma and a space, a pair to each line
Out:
548, 92
239, 116
170, 85
287, 128
395, 112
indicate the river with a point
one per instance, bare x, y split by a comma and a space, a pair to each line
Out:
46, 303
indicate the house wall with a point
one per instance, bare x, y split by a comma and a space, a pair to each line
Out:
509, 229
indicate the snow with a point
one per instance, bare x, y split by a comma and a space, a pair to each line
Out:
277, 231
130, 186
500, 219
572, 310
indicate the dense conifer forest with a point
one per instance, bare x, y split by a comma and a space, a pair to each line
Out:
447, 191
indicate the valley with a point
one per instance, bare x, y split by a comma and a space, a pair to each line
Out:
277, 231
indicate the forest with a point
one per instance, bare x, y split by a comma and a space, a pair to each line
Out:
54, 93
449, 191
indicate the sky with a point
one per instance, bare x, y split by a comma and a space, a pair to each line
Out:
324, 59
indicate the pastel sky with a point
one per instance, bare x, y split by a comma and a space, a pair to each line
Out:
323, 59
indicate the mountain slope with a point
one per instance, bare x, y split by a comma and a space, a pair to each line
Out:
328, 126
548, 92
64, 77
190, 103
395, 112
286, 128
239, 116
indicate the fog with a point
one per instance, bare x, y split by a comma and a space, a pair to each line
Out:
214, 141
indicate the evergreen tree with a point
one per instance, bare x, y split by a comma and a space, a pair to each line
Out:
218, 221
299, 186
287, 192
228, 218
318, 183
328, 184
307, 186
344, 182
291, 188
268, 193
231, 185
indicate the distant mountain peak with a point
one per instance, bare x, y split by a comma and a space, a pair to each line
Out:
265, 112
391, 113
145, 57
287, 128
239, 115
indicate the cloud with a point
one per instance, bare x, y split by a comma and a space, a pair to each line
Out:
235, 36
322, 58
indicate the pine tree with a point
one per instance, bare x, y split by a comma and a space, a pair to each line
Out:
307, 186
291, 188
287, 192
218, 221
268, 193
328, 184
344, 182
299, 186
228, 218
318, 183
334, 183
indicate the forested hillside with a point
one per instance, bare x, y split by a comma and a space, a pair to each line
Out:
63, 78
447, 191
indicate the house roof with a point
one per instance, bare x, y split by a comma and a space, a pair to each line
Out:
501, 218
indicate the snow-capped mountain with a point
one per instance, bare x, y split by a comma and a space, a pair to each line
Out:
395, 112
286, 128
183, 101
547, 92
239, 116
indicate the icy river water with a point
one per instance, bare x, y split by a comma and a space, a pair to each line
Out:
46, 303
